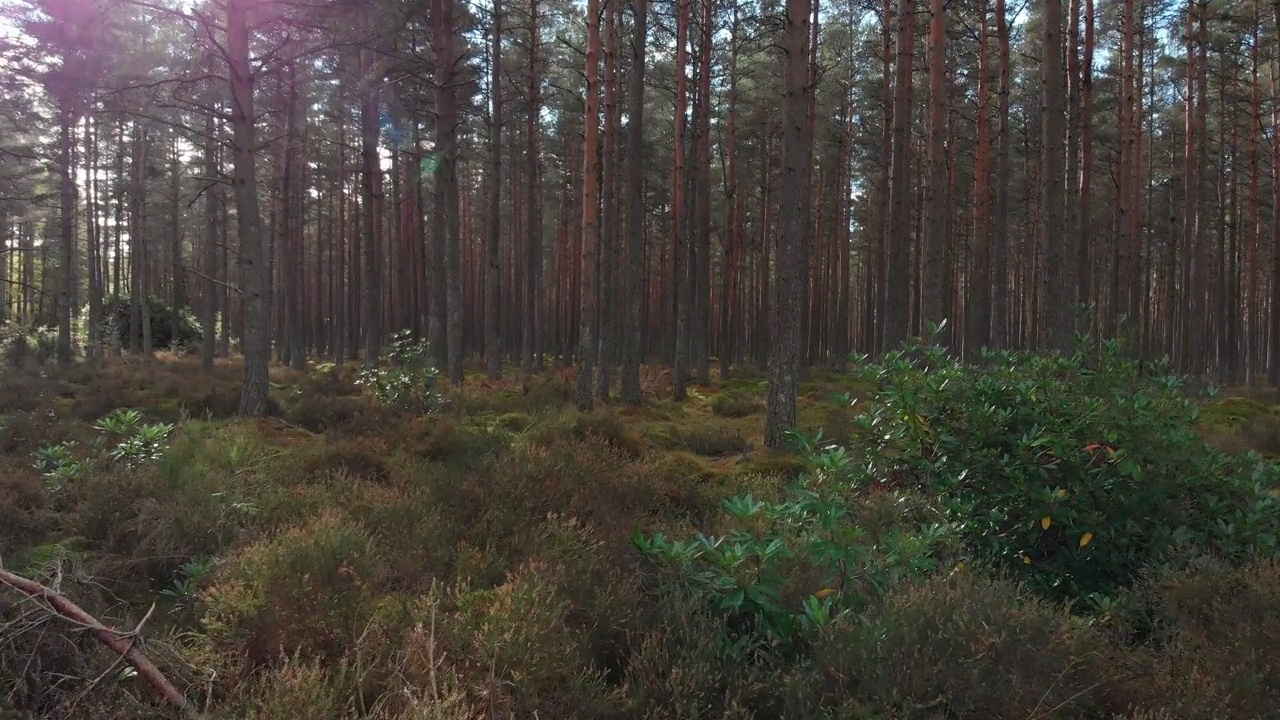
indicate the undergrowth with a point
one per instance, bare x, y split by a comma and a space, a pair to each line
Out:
1026, 537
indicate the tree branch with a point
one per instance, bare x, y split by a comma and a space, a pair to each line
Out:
121, 643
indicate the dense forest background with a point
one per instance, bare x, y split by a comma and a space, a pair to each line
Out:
804, 359
615, 184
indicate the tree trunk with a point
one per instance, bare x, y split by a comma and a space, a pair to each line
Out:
1059, 287
784, 355
1274, 344
370, 199
447, 183
934, 243
897, 315
729, 277
1085, 195
1000, 307
256, 333
682, 252
67, 207
492, 342
590, 211
978, 323
609, 235
292, 191
209, 308
635, 183
700, 310
532, 312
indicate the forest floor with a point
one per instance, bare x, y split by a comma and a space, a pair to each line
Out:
345, 559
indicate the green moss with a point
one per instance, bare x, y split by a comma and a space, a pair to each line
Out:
683, 467
735, 405
512, 422
1233, 411
771, 464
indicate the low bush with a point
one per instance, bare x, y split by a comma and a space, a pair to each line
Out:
1216, 650
357, 458
305, 590
736, 405
710, 439
785, 569
408, 382
968, 646
1073, 472
117, 322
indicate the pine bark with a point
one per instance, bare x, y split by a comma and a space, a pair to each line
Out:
492, 341
1059, 287
897, 315
784, 355
936, 284
636, 223
256, 332
590, 212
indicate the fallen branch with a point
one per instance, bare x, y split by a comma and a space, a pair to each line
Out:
121, 643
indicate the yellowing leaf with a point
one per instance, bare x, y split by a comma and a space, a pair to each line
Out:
1086, 539
1062, 493
1045, 522
824, 592
1026, 559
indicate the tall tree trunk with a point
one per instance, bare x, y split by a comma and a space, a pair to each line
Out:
897, 316
447, 183
590, 211
1000, 307
683, 243
700, 340
1085, 194
67, 207
531, 325
209, 308
176, 300
256, 333
292, 191
784, 355
729, 277
370, 200
876, 263
635, 182
492, 342
934, 243
609, 253
1274, 344
978, 324
93, 240
1058, 283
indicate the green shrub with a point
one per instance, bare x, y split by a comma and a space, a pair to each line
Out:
787, 568
1075, 472
117, 321
409, 381
22, 345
